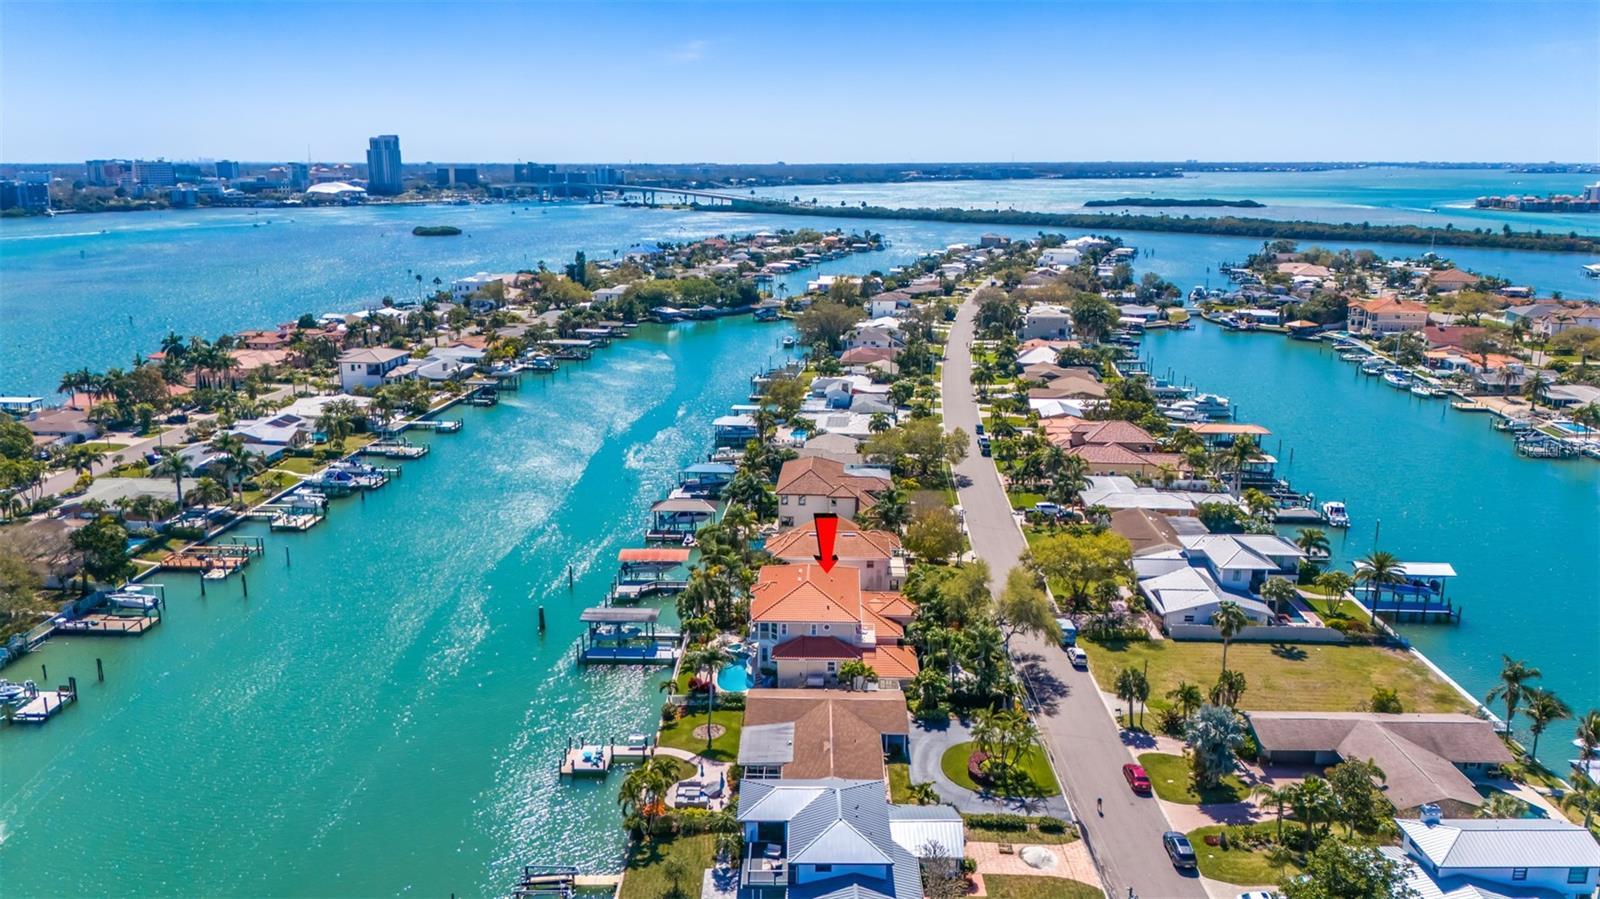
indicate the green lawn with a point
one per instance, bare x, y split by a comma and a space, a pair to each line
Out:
899, 783
1240, 864
1022, 886
680, 734
1304, 677
297, 464
1035, 763
1171, 779
1022, 499
102, 446
646, 875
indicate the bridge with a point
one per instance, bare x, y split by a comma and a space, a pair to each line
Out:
649, 194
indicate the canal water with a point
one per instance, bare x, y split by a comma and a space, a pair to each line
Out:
381, 715
1523, 535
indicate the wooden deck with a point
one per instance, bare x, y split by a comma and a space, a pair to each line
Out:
46, 705
598, 763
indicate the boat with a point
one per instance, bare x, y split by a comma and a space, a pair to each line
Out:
1353, 356
1424, 390
1212, 405
789, 341
1397, 377
1469, 406
1373, 366
1335, 513
133, 598
1185, 411
1592, 270
10, 692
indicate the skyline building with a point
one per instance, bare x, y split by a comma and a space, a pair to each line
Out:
383, 165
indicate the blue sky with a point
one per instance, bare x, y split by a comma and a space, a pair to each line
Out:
802, 82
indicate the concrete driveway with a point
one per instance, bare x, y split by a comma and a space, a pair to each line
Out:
928, 745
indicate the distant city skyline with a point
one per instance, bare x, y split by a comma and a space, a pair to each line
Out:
749, 83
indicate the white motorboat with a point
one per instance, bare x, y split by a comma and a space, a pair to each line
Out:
10, 692
1396, 377
1335, 513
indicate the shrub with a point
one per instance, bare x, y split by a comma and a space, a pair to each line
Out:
997, 821
1051, 825
669, 713
969, 866
1386, 701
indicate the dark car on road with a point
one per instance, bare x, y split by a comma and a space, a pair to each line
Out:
1178, 849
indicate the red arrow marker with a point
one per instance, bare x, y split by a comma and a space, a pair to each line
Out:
827, 525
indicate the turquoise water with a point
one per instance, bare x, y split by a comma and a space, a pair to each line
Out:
1380, 195
72, 296
735, 676
381, 714
1523, 535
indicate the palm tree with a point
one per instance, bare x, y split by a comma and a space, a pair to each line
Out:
1513, 688
1377, 570
1588, 735
1544, 708
1187, 696
1313, 541
1310, 798
1269, 796
1279, 592
1584, 796
1229, 619
645, 788
1243, 451
708, 659
890, 511
923, 793
231, 451
171, 463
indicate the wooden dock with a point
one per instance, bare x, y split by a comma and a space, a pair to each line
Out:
440, 425
587, 760
44, 705
219, 557
547, 882
108, 625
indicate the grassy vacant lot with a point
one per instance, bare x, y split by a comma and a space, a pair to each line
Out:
1035, 763
1021, 886
298, 464
1240, 864
1281, 678
725, 748
1171, 779
646, 876
102, 446
899, 782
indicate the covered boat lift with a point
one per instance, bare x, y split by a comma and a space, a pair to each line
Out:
675, 520
644, 571
1420, 596
706, 479
615, 636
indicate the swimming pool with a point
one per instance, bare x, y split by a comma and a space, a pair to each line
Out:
735, 676
1570, 427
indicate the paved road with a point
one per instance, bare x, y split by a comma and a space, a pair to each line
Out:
1085, 741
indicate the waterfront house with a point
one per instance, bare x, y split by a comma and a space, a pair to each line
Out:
874, 336
1550, 319
1451, 280
815, 484
798, 733
877, 555
1045, 321
1428, 759
1060, 257
1185, 594
265, 340
807, 622
367, 367
1564, 396
867, 355
1146, 531
828, 838
1494, 858
1243, 561
1386, 315
59, 427
1305, 270
1121, 492
112, 491
1108, 447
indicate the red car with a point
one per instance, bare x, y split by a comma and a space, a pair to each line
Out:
1136, 778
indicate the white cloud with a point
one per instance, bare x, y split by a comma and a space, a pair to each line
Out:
689, 51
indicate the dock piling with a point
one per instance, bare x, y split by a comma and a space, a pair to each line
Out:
100, 670
541, 619
202, 587
44, 673
286, 562
244, 581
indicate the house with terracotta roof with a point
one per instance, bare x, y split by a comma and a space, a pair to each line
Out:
1304, 270
815, 484
1386, 315
265, 340
807, 622
877, 555
1110, 447
1451, 280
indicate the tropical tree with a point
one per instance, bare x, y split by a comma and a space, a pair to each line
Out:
1228, 689
708, 660
1358, 803
1513, 688
1544, 708
1583, 797
854, 671
1336, 583
1377, 570
174, 465
1311, 798
1313, 541
1229, 619
1005, 736
1340, 870
1502, 805
1133, 688
1279, 592
1214, 734
644, 790
1022, 608
889, 511
1588, 735
1187, 696
1266, 795
923, 793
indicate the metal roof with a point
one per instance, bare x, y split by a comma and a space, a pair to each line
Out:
699, 506
1503, 843
661, 556
767, 744
615, 615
